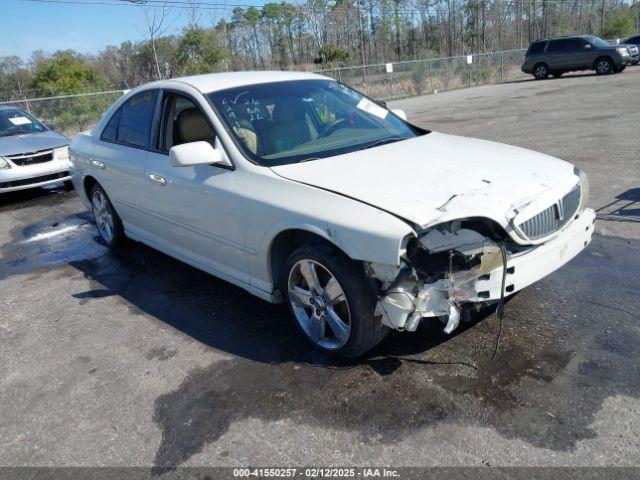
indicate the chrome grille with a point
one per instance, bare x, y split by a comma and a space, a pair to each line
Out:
553, 218
31, 158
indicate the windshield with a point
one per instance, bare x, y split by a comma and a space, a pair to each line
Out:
287, 122
17, 122
597, 42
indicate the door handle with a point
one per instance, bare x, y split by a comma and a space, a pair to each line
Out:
157, 179
97, 163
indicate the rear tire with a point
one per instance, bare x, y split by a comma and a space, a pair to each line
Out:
604, 66
107, 220
320, 282
541, 71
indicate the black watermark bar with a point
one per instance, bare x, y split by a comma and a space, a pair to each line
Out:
404, 473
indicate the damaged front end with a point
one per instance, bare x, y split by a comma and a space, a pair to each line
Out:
439, 274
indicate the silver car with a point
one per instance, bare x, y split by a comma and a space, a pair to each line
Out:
31, 154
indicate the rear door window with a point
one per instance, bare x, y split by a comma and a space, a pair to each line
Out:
132, 123
559, 46
110, 132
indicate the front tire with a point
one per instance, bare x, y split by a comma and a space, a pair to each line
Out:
107, 220
331, 302
604, 66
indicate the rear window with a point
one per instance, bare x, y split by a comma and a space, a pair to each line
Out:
535, 48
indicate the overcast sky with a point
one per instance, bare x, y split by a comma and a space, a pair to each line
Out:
29, 26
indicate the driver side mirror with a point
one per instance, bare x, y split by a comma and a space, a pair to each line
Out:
399, 113
197, 153
587, 46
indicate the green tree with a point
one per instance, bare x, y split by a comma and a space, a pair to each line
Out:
66, 72
619, 24
199, 51
331, 54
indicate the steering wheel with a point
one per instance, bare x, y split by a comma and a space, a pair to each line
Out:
329, 129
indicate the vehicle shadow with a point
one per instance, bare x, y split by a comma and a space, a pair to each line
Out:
625, 208
551, 78
226, 317
272, 373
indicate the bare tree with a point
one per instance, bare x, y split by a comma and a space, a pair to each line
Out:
158, 24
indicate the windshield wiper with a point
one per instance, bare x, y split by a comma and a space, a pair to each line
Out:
10, 134
384, 141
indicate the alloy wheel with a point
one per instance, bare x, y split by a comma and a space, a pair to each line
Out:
102, 216
541, 72
319, 304
603, 66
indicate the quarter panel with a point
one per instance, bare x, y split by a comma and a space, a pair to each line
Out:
80, 150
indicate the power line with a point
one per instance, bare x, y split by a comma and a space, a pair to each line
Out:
195, 3
158, 4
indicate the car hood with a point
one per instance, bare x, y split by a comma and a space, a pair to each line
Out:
437, 177
31, 142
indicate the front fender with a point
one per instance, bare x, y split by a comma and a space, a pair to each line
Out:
275, 205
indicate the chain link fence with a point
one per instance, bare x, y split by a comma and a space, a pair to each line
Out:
71, 114
419, 77
68, 114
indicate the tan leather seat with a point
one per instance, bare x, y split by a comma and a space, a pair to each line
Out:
290, 127
191, 126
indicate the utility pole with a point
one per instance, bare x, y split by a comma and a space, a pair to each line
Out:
364, 75
602, 18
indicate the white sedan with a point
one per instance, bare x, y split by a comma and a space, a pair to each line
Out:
299, 189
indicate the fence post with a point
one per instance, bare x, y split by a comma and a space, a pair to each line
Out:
501, 67
340, 75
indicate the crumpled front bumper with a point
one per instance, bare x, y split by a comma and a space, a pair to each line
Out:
407, 301
527, 267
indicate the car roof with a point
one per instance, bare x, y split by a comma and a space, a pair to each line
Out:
213, 82
562, 37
